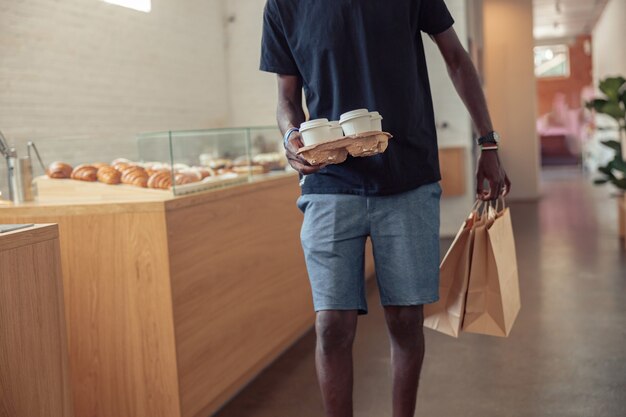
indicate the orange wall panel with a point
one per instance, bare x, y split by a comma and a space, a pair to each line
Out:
581, 71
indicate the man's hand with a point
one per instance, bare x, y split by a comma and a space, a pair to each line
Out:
490, 169
296, 161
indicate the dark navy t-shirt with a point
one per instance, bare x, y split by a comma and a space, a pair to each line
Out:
354, 54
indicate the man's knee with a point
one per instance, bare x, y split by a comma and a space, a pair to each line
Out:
404, 320
335, 329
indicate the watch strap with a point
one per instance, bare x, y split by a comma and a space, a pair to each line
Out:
288, 134
489, 138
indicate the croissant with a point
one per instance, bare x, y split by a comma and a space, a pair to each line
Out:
184, 178
135, 176
109, 175
156, 169
85, 173
121, 166
194, 174
99, 165
59, 170
161, 180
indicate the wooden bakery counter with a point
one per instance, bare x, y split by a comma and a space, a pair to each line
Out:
34, 372
174, 303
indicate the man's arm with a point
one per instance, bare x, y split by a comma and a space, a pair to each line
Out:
290, 114
465, 80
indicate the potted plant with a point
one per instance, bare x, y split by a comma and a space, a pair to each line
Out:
614, 104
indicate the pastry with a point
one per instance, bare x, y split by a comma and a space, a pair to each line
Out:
154, 167
59, 170
223, 171
109, 175
271, 161
193, 173
136, 176
85, 173
100, 165
161, 180
121, 166
180, 167
206, 172
252, 169
183, 178
241, 161
121, 161
220, 163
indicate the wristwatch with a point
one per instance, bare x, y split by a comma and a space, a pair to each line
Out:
491, 137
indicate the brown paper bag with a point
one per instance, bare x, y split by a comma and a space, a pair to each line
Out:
493, 298
446, 315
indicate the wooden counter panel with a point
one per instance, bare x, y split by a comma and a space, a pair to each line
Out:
240, 289
34, 372
452, 166
118, 307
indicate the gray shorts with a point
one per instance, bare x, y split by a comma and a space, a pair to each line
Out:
404, 230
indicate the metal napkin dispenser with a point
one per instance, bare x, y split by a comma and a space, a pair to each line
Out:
22, 188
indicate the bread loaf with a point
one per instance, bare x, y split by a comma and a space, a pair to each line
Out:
85, 173
59, 170
136, 176
161, 180
109, 175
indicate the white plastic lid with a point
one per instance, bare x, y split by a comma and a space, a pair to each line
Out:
375, 115
353, 114
311, 124
334, 124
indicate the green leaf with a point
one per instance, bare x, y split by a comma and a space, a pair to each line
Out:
618, 164
619, 183
613, 144
607, 171
611, 87
614, 110
597, 104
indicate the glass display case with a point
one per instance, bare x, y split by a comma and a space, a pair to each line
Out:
221, 156
158, 164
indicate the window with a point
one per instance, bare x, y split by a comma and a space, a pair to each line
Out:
552, 61
140, 5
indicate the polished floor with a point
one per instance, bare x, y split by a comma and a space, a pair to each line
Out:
566, 355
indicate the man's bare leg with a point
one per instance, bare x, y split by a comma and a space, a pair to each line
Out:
406, 335
333, 357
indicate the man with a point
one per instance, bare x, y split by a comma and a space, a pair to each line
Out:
351, 54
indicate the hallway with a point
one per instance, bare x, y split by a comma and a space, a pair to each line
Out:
566, 356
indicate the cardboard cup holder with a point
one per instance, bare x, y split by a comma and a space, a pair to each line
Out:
336, 151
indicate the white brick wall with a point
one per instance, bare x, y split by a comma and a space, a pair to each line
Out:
99, 73
252, 92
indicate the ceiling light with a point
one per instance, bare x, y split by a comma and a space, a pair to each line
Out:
139, 5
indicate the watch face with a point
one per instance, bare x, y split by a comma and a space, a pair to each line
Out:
496, 137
